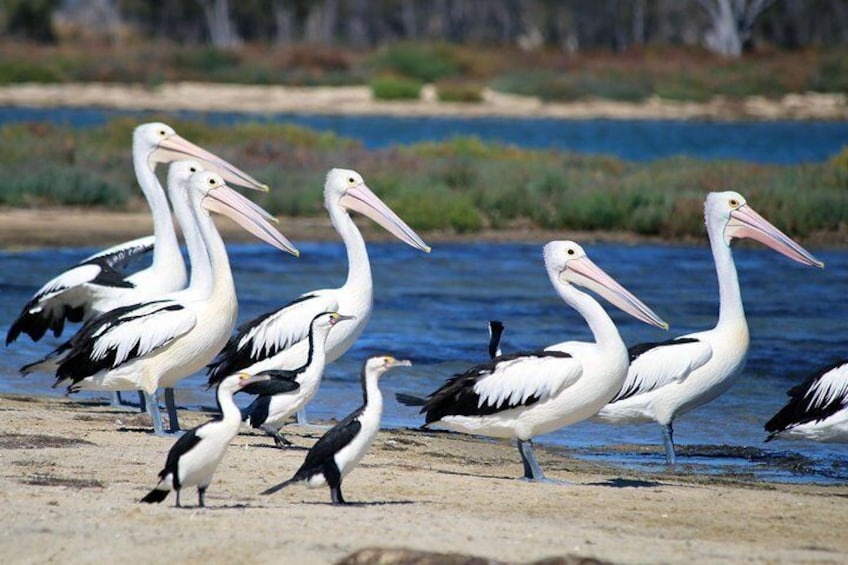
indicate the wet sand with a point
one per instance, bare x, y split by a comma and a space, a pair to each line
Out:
73, 472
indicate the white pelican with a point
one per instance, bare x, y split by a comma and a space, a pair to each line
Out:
156, 343
193, 458
817, 409
341, 448
524, 395
289, 390
277, 339
670, 378
97, 284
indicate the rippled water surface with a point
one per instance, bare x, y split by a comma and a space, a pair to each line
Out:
433, 309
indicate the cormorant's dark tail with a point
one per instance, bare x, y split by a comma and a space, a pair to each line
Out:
410, 399
155, 495
281, 486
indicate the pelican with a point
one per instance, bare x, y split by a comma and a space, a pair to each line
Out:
523, 395
817, 409
97, 284
669, 378
156, 343
278, 339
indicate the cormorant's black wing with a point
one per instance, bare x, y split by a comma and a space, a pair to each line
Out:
183, 445
330, 443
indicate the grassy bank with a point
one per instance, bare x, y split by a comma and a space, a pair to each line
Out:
459, 72
463, 185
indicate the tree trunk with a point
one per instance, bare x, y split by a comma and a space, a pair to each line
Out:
638, 22
410, 22
732, 24
283, 22
222, 32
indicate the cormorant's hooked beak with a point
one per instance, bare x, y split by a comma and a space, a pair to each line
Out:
176, 147
340, 318
400, 363
361, 199
224, 200
746, 222
582, 271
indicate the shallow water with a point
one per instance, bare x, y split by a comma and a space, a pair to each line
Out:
433, 309
783, 142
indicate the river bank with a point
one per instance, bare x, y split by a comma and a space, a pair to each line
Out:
358, 100
74, 472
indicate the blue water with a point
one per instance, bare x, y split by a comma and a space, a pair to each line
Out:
782, 142
433, 310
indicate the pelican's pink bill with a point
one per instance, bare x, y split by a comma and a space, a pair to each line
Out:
224, 200
361, 199
745, 222
177, 147
594, 278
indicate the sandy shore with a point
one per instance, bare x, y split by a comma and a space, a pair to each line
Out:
75, 227
357, 100
73, 471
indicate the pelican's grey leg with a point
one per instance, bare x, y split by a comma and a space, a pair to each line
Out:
301, 417
152, 401
668, 442
532, 470
171, 405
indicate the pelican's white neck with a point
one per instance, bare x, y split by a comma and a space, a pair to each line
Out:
359, 267
166, 252
201, 270
731, 310
602, 327
218, 279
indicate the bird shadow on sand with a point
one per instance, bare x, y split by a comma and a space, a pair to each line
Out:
365, 504
619, 482
273, 447
475, 475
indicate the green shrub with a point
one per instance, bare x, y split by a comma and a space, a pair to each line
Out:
395, 88
19, 71
455, 91
56, 184
423, 62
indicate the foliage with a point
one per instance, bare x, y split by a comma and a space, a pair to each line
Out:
389, 87
459, 91
422, 62
468, 184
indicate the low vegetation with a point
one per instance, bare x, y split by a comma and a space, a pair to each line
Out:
462, 184
672, 73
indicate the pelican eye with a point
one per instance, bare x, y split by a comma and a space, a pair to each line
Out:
351, 180
212, 182
571, 252
192, 169
162, 132
734, 203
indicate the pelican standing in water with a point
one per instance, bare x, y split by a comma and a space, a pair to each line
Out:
523, 395
669, 378
157, 343
278, 339
817, 409
97, 284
